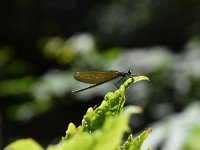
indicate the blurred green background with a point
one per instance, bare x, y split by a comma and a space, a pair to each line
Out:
43, 42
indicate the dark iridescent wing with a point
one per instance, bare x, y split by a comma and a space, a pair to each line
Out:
96, 77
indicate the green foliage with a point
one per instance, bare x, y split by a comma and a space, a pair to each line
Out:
6, 54
16, 86
107, 138
111, 106
101, 128
135, 144
66, 51
24, 144
192, 141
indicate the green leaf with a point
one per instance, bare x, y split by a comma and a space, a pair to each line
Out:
24, 144
135, 144
111, 106
107, 138
192, 140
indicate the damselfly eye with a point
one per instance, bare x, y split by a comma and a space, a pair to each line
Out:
129, 72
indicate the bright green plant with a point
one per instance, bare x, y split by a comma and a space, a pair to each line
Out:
101, 128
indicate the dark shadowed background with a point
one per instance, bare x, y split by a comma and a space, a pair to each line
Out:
42, 43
